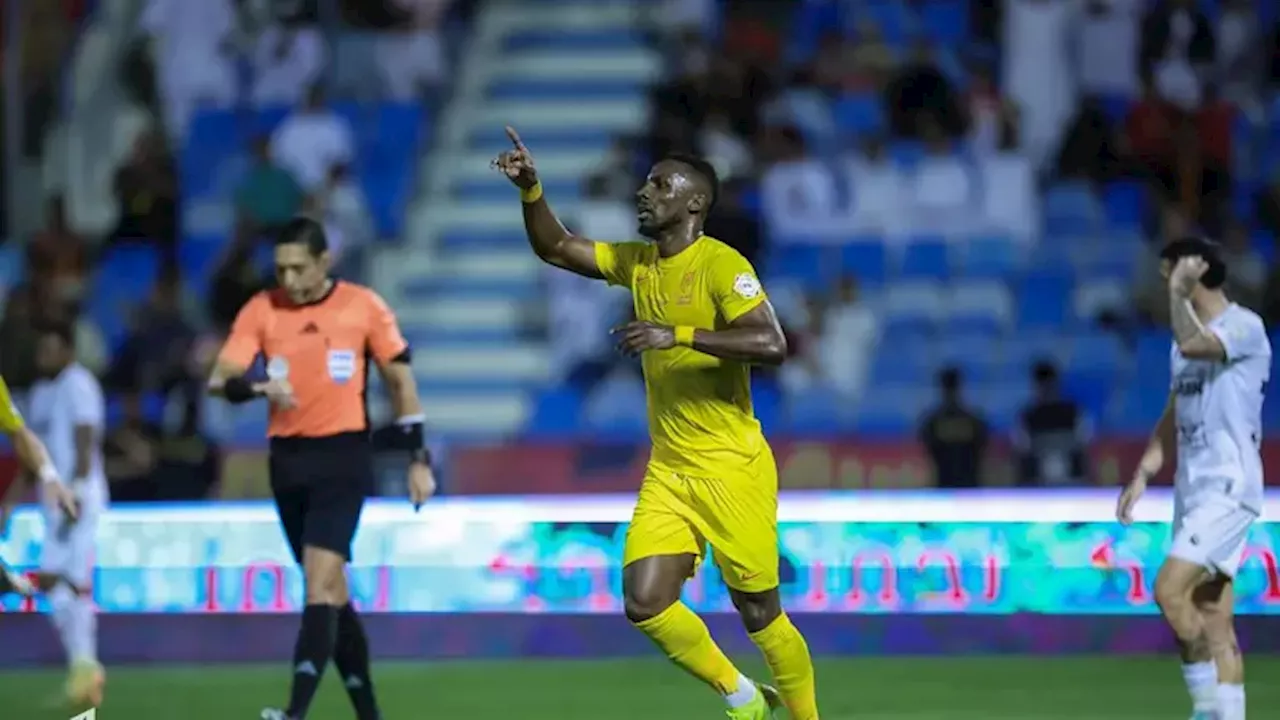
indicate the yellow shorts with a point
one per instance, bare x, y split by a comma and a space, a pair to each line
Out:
737, 514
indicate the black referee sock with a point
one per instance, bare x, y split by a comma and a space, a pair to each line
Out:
351, 657
311, 656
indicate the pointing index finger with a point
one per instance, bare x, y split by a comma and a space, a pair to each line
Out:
514, 137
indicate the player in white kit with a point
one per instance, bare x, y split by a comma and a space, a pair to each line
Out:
1221, 364
67, 412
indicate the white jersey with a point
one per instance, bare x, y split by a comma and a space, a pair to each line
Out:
56, 408
1218, 414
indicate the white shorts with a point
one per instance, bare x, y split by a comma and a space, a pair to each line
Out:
69, 547
1211, 533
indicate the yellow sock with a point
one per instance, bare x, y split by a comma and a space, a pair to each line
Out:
686, 640
787, 655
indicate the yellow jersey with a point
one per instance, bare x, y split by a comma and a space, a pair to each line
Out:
700, 415
10, 419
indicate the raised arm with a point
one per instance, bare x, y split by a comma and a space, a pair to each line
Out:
548, 237
1195, 341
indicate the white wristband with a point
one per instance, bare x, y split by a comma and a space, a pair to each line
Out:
48, 474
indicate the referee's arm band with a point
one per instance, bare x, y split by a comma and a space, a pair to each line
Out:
239, 390
412, 438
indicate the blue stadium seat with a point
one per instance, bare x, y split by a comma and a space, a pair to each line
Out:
895, 20
1000, 401
1125, 204
1024, 349
1116, 106
984, 306
555, 413
617, 408
989, 257
817, 411
815, 265
1043, 300
198, 256
896, 364
1097, 354
1094, 297
1071, 209
945, 21
125, 277
893, 410
865, 259
912, 306
1133, 411
859, 114
925, 257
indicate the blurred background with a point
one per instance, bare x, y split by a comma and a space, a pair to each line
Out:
956, 208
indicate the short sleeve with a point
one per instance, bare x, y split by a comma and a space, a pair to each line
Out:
1244, 337
617, 261
735, 288
10, 418
245, 341
87, 408
386, 342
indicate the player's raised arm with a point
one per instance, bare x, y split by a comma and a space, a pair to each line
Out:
547, 235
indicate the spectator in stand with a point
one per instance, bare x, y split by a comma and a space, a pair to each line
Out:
838, 336
872, 61
1248, 278
146, 188
798, 193
1239, 61
724, 148
1053, 438
920, 95
154, 356
1266, 204
955, 436
193, 56
131, 453
944, 193
268, 196
313, 140
802, 104
1090, 150
1213, 125
879, 189
411, 56
236, 280
1039, 76
348, 222
1150, 130
58, 255
1178, 50
18, 337
288, 57
1108, 48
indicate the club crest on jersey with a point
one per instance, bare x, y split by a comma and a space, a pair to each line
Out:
746, 285
342, 365
686, 288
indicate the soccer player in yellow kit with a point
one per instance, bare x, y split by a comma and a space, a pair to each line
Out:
702, 320
34, 459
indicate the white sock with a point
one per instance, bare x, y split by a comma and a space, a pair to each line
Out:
745, 693
77, 623
1230, 702
1202, 683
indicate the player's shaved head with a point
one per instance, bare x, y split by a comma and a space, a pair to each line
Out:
679, 190
701, 172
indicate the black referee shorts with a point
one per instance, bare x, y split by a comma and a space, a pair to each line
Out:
320, 485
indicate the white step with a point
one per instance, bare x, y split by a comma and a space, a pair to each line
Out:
632, 65
469, 314
515, 15
619, 116
511, 362
491, 216
519, 264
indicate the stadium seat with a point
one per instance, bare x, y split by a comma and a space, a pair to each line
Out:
945, 21
555, 413
859, 114
617, 407
1093, 298
865, 259
814, 265
1043, 300
895, 364
1071, 209
983, 306
895, 20
1097, 354
1000, 402
925, 257
817, 411
893, 410
1125, 204
988, 257
125, 278
912, 306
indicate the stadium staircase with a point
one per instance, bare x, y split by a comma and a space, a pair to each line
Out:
570, 77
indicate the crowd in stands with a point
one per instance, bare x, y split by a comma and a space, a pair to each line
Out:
148, 317
969, 192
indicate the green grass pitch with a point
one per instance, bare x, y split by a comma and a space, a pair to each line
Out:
986, 688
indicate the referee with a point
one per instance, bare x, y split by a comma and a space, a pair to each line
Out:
318, 334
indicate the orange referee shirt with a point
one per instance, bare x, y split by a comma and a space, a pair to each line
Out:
323, 349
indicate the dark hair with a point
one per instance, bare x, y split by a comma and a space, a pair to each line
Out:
64, 331
307, 231
1044, 371
949, 378
1216, 275
703, 168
